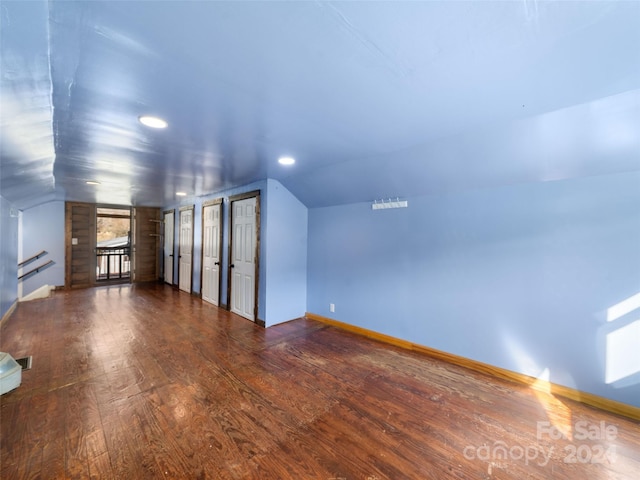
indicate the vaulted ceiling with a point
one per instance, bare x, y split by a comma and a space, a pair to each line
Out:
373, 99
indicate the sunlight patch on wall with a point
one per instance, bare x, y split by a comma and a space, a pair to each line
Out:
623, 359
525, 362
626, 306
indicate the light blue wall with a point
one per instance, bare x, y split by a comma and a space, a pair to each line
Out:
285, 236
8, 256
520, 277
42, 228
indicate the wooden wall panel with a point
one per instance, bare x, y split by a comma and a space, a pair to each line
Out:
146, 257
80, 264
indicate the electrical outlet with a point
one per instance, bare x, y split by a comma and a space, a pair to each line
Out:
332, 307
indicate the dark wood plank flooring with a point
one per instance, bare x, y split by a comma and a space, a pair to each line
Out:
134, 382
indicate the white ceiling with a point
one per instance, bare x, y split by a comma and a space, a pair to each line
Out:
373, 99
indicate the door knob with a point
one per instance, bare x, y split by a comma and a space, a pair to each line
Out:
217, 263
232, 265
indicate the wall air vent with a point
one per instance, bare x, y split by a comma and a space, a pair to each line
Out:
384, 204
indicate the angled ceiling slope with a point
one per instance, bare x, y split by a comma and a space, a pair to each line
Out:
373, 99
26, 135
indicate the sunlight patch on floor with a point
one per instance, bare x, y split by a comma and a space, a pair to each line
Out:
557, 412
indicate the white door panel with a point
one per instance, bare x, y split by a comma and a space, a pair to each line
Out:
186, 249
244, 258
168, 248
211, 253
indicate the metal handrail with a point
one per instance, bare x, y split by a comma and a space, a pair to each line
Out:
32, 258
113, 249
104, 255
36, 270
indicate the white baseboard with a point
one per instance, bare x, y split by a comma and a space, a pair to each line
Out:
42, 292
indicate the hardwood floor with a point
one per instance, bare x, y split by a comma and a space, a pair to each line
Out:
145, 381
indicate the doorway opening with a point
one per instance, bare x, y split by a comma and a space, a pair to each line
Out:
113, 245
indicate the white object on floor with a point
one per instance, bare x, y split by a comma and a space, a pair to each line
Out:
10, 373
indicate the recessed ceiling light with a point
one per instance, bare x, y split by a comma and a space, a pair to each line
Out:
181, 194
153, 122
286, 160
92, 182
